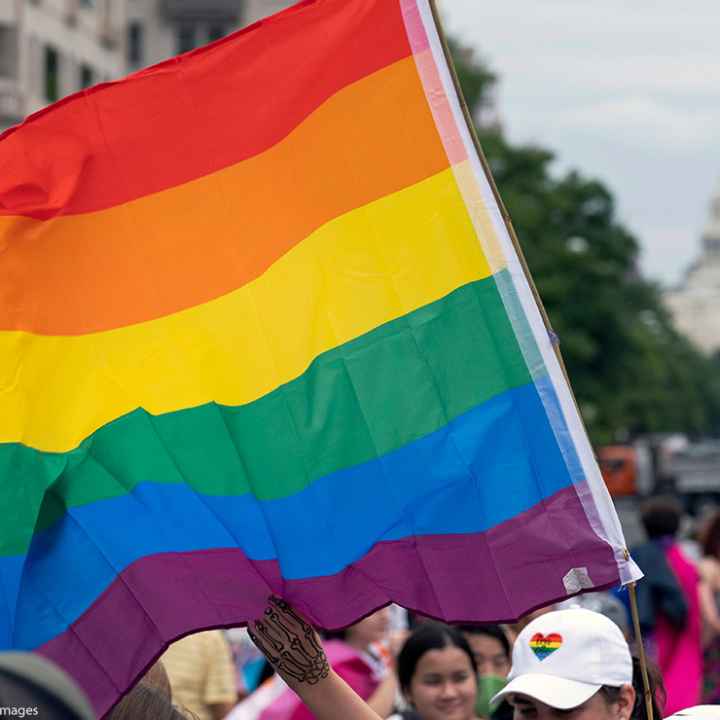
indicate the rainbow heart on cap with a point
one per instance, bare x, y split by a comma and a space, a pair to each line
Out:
545, 645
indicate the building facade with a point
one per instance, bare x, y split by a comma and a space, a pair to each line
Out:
257, 9
694, 303
159, 29
51, 48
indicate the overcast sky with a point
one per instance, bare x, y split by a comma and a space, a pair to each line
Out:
624, 90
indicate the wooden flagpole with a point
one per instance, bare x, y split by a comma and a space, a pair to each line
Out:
523, 262
641, 651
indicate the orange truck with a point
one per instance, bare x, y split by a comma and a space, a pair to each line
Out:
654, 464
619, 468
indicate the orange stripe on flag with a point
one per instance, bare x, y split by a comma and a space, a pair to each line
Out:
196, 242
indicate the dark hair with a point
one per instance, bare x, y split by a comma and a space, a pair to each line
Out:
710, 538
493, 631
661, 516
145, 701
425, 637
657, 691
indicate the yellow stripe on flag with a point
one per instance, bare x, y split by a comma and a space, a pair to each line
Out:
374, 264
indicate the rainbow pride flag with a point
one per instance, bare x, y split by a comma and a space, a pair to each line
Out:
262, 329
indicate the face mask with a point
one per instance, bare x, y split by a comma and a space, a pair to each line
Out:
488, 686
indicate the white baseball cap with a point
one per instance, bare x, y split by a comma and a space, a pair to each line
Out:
564, 657
699, 712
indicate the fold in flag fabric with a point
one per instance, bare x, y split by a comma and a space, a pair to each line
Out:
263, 330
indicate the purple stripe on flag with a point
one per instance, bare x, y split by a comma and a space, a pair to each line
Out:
452, 577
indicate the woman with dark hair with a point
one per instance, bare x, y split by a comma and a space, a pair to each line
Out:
669, 603
575, 662
491, 648
437, 673
709, 599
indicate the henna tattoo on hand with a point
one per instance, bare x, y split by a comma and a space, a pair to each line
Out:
290, 644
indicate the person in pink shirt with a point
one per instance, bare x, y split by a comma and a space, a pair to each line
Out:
678, 647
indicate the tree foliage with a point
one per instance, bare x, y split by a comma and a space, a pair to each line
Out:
632, 372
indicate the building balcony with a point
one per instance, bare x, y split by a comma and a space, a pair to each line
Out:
190, 11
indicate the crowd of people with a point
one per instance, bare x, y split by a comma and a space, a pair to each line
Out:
572, 660
564, 663
678, 602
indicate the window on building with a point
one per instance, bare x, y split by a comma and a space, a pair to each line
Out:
135, 44
87, 3
215, 32
52, 74
87, 76
8, 51
186, 38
